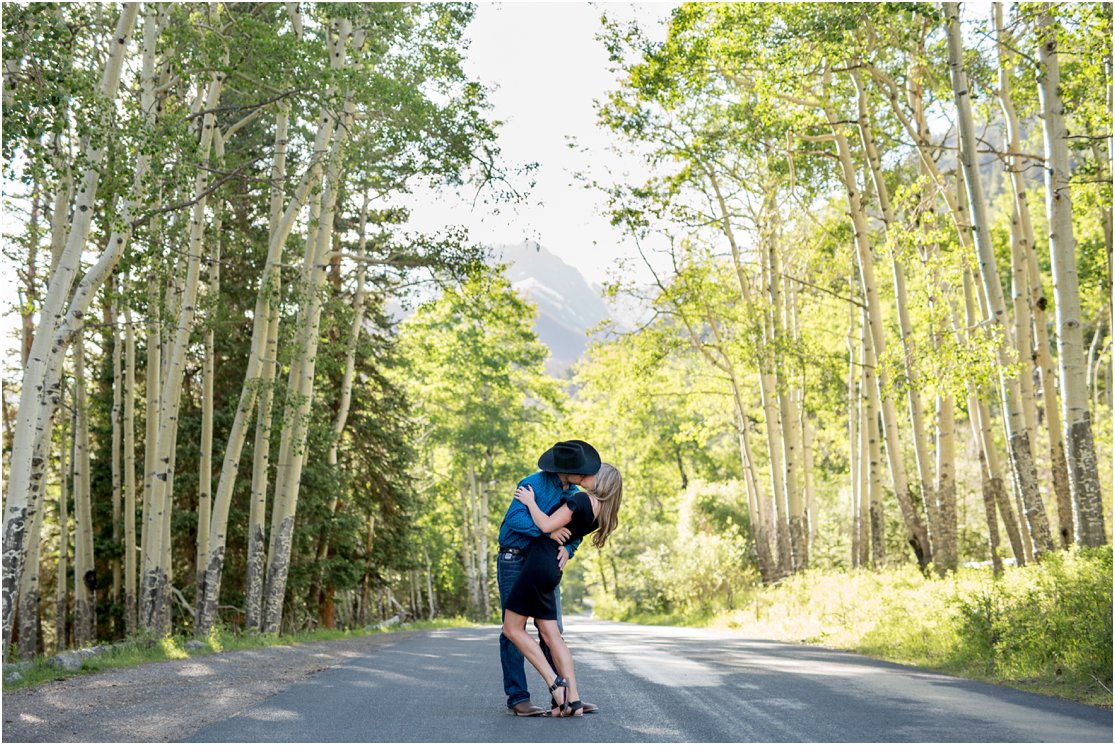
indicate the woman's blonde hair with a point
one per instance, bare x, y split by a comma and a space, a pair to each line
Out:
608, 490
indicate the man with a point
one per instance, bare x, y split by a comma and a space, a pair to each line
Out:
563, 468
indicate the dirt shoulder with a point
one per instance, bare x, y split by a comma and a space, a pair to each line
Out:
167, 701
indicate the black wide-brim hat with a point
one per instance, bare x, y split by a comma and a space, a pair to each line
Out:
571, 456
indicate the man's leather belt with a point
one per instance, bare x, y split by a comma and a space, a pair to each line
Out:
512, 551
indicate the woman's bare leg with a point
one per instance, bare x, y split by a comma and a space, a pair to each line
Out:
563, 658
515, 629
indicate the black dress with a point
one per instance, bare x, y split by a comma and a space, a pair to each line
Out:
533, 591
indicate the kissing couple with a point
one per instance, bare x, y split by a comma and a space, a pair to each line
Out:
572, 495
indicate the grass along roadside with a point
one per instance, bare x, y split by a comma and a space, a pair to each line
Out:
1044, 628
141, 650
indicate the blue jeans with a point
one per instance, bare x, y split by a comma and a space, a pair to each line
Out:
508, 568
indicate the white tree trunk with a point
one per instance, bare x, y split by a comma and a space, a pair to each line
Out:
61, 591
257, 546
301, 382
24, 472
775, 532
905, 326
917, 537
205, 457
129, 475
29, 641
1083, 468
263, 348
875, 456
1022, 460
156, 582
1039, 353
979, 414
85, 578
117, 436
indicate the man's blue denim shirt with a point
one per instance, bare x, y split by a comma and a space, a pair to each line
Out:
518, 528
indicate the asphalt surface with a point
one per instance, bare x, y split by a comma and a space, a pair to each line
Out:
653, 684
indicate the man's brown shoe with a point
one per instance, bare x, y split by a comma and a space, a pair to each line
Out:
590, 708
524, 709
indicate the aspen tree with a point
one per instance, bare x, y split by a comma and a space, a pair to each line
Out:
918, 131
1022, 459
262, 354
156, 580
875, 456
1030, 276
779, 538
152, 379
61, 593
301, 381
85, 578
791, 442
117, 434
261, 332
205, 459
30, 642
855, 406
130, 547
980, 416
770, 567
916, 534
905, 326
257, 547
1081, 451
25, 472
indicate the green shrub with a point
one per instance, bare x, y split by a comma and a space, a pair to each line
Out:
1044, 627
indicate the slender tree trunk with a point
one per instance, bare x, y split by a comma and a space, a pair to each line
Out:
482, 539
905, 326
979, 414
129, 475
917, 537
301, 382
153, 377
257, 546
262, 355
1031, 277
875, 462
781, 529
854, 418
205, 465
790, 443
945, 545
35, 400
85, 578
757, 514
1083, 468
117, 435
61, 593
431, 599
156, 584
1022, 460
989, 498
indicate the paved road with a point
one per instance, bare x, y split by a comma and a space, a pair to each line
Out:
652, 684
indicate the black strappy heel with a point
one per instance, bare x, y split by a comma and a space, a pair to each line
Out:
575, 707
559, 682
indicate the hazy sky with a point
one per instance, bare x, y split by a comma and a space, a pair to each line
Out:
546, 67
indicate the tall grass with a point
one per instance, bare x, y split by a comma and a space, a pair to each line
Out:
1045, 627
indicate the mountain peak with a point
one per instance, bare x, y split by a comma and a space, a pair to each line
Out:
567, 306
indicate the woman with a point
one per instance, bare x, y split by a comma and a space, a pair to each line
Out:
532, 595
